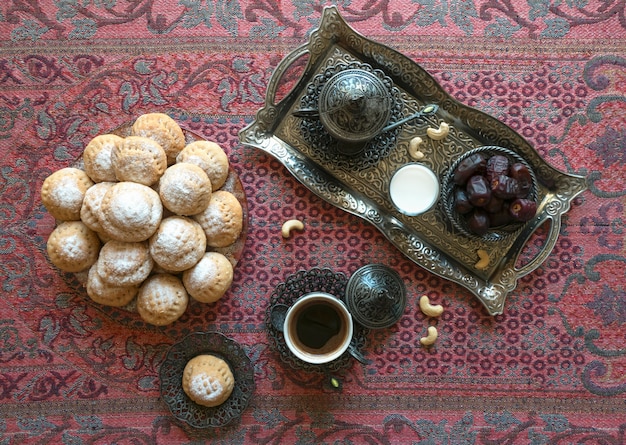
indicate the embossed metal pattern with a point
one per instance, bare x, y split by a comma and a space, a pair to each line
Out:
359, 184
376, 296
354, 105
356, 154
171, 376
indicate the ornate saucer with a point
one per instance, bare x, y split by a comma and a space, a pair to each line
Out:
171, 374
296, 285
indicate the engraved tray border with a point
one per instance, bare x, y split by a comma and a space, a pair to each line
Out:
421, 239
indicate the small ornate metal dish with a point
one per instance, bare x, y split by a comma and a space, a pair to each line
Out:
376, 296
447, 195
296, 285
171, 375
358, 182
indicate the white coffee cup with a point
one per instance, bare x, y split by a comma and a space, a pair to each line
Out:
318, 328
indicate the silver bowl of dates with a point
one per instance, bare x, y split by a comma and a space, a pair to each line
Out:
489, 193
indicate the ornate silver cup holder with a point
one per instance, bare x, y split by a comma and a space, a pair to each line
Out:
357, 179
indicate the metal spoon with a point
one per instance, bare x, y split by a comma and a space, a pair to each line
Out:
428, 110
277, 318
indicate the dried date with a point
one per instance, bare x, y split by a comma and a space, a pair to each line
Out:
478, 222
523, 209
468, 167
492, 192
497, 165
462, 203
521, 174
478, 191
504, 187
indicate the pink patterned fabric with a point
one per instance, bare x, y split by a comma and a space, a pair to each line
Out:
550, 369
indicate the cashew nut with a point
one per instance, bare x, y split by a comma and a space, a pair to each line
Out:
292, 224
414, 148
483, 261
438, 133
431, 310
430, 338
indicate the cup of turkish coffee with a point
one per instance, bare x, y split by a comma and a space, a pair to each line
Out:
318, 328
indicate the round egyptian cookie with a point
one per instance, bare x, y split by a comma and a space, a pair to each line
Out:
222, 220
121, 263
139, 159
62, 193
178, 243
108, 294
73, 247
90, 211
208, 380
210, 278
163, 129
130, 212
162, 299
185, 189
97, 157
210, 157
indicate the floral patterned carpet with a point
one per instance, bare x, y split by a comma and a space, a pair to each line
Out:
550, 369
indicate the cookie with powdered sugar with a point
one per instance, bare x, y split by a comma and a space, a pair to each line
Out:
162, 299
62, 193
222, 220
178, 244
73, 247
210, 278
108, 294
185, 189
123, 263
164, 130
210, 157
208, 380
97, 157
91, 211
139, 159
131, 212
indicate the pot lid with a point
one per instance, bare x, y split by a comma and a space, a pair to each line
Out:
376, 296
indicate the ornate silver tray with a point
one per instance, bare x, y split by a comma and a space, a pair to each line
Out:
359, 184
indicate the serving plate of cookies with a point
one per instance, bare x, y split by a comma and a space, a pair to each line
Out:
150, 216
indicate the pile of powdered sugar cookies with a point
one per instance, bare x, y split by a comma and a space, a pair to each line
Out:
144, 219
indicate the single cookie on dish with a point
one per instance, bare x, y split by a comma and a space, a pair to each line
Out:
122, 263
162, 299
97, 157
108, 294
222, 220
178, 243
185, 189
163, 129
62, 193
208, 380
91, 211
210, 278
139, 159
131, 212
210, 157
73, 247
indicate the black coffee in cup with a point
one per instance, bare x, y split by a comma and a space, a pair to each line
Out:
318, 328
